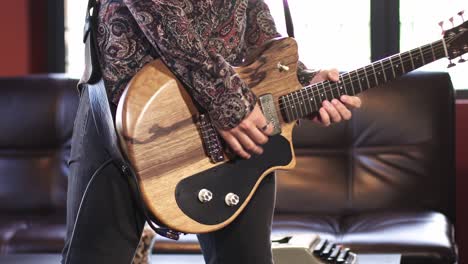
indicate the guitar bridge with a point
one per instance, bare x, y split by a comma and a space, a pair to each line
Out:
211, 139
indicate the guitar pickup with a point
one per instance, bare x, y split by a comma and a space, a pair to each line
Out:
269, 110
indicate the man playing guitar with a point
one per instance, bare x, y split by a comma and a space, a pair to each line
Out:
198, 40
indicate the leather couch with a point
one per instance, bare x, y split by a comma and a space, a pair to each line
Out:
37, 114
381, 182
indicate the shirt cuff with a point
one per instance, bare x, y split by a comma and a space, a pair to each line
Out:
230, 109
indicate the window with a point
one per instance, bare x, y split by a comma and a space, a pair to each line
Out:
419, 25
327, 36
329, 33
74, 23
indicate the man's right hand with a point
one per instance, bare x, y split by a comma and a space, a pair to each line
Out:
246, 138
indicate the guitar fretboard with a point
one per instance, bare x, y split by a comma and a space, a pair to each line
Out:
309, 99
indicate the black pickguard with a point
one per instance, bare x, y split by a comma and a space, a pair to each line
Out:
237, 176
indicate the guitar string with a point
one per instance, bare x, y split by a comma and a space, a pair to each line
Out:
316, 92
384, 65
429, 48
363, 70
387, 64
352, 79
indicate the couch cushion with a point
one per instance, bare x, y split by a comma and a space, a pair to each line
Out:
39, 232
395, 153
419, 235
8, 229
37, 122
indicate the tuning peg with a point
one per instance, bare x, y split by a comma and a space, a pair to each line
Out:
461, 60
451, 64
441, 24
461, 14
451, 21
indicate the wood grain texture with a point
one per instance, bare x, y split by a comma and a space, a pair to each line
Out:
158, 133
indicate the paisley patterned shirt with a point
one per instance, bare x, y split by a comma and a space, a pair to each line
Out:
198, 40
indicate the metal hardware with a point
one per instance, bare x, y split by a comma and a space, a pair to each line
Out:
231, 199
282, 67
211, 139
205, 195
269, 110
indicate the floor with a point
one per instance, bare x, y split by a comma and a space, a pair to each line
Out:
175, 259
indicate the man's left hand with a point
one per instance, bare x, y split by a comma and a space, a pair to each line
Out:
336, 110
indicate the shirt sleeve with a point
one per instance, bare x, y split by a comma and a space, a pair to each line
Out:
260, 25
261, 28
210, 79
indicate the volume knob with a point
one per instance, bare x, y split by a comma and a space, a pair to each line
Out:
231, 199
205, 195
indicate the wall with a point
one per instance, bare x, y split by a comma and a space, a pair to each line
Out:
15, 34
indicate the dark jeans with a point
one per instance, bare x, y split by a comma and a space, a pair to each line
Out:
104, 224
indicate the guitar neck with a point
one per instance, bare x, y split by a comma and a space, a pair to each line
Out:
309, 99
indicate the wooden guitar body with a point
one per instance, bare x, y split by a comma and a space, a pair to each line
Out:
157, 124
159, 128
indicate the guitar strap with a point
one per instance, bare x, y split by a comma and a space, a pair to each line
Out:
93, 83
288, 18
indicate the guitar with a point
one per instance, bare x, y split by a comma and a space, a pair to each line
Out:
186, 179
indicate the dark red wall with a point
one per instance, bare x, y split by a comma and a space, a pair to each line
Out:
14, 29
23, 28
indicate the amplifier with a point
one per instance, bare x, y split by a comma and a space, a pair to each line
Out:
310, 249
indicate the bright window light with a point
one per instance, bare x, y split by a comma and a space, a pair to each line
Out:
420, 26
329, 33
74, 48
327, 36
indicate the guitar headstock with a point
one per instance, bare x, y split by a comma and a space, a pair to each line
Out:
456, 40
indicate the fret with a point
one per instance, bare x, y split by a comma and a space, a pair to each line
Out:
439, 50
380, 74
402, 64
328, 91
312, 94
318, 100
375, 75
296, 107
418, 59
393, 67
371, 75
383, 71
428, 55
396, 66
293, 108
321, 91
352, 83
304, 101
310, 100
284, 107
407, 67
433, 55
367, 79
298, 103
342, 86
412, 62
335, 88
359, 80
388, 69
315, 95
422, 55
